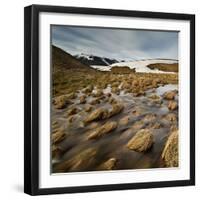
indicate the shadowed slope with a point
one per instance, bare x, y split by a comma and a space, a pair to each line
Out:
63, 60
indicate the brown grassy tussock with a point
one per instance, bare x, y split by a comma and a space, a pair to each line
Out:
164, 67
170, 152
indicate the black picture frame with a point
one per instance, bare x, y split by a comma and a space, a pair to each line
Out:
31, 98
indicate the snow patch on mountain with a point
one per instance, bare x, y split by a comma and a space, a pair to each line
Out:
86, 56
105, 61
139, 65
101, 67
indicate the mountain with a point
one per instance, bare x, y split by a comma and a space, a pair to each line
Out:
63, 60
95, 60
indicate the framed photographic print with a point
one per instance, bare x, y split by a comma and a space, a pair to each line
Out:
109, 100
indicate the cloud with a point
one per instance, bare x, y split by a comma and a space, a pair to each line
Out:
116, 43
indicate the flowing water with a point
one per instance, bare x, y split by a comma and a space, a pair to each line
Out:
113, 144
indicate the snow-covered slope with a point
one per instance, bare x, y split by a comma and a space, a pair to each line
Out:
139, 65
101, 67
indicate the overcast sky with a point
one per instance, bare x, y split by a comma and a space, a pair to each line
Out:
116, 43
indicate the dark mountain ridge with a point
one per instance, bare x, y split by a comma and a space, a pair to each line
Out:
95, 60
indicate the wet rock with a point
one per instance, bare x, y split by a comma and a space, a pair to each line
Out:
103, 85
95, 101
88, 89
82, 99
128, 91
141, 141
97, 114
56, 129
62, 101
135, 83
153, 90
72, 111
170, 152
108, 94
124, 121
125, 85
58, 136
115, 84
172, 105
155, 82
155, 125
81, 161
102, 130
108, 165
137, 112
88, 108
56, 151
71, 95
138, 125
171, 117
169, 95
112, 100
71, 119
102, 97
138, 93
55, 125
97, 93
116, 108
93, 125
115, 90
173, 128
154, 97
149, 117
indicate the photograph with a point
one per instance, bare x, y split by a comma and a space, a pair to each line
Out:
109, 99
114, 99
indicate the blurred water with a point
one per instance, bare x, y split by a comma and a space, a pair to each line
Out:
114, 143
162, 89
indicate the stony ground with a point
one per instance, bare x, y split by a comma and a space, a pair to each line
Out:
112, 121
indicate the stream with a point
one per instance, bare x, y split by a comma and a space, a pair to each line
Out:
113, 145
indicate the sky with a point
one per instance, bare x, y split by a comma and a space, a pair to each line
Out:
119, 44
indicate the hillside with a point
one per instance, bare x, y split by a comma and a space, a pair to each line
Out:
173, 67
68, 72
62, 60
